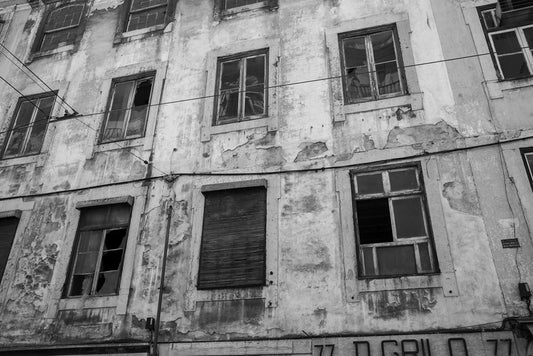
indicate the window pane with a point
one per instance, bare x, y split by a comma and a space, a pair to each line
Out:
230, 74
115, 239
111, 260
409, 217
489, 19
255, 79
383, 47
38, 129
81, 284
115, 123
368, 258
355, 52
529, 159
59, 38
373, 221
147, 18
369, 183
506, 42
22, 121
86, 262
94, 216
143, 4
229, 4
107, 283
357, 76
425, 260
528, 32
229, 89
90, 241
404, 179
15, 142
64, 17
396, 260
139, 111
119, 214
388, 78
513, 65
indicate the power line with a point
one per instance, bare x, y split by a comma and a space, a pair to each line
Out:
268, 87
27, 99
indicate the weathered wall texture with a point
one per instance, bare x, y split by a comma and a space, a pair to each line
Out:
476, 197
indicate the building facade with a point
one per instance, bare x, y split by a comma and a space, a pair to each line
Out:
278, 177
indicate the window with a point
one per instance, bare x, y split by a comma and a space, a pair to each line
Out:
146, 13
527, 155
391, 223
96, 264
230, 4
128, 108
28, 127
233, 252
512, 46
62, 27
371, 65
241, 87
8, 228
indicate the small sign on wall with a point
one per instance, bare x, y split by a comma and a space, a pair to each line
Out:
510, 243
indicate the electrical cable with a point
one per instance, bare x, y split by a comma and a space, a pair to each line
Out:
28, 99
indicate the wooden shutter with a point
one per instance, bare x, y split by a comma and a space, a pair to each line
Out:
8, 228
233, 239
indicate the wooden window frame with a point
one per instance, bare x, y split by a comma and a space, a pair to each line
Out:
414, 241
366, 33
529, 169
242, 91
260, 183
519, 32
221, 12
136, 77
74, 255
29, 127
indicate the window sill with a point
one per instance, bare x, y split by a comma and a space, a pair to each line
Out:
495, 88
142, 33
67, 48
263, 5
118, 145
270, 122
89, 302
414, 101
16, 161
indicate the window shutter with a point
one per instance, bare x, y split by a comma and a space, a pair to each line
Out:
8, 228
233, 239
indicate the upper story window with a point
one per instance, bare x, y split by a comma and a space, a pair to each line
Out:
230, 4
146, 13
241, 87
28, 126
510, 38
62, 26
128, 108
233, 245
96, 264
371, 65
527, 155
392, 225
8, 228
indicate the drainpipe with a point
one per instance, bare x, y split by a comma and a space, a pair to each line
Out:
155, 351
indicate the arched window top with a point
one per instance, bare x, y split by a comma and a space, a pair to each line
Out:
64, 17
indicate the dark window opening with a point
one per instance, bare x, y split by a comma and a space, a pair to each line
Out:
242, 87
392, 226
28, 127
8, 228
62, 26
128, 110
146, 13
99, 252
230, 4
233, 251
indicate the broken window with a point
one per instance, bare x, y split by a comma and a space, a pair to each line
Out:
61, 27
233, 248
391, 223
527, 155
230, 4
146, 13
96, 264
511, 40
128, 109
241, 87
371, 65
8, 228
28, 127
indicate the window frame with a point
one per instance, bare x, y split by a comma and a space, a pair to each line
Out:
367, 33
135, 77
527, 51
241, 110
29, 127
529, 169
222, 13
74, 253
414, 241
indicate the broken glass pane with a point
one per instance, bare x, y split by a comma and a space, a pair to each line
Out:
409, 217
388, 79
373, 221
115, 239
369, 183
81, 284
383, 47
368, 258
38, 129
404, 179
357, 77
107, 283
115, 122
255, 79
111, 261
425, 260
139, 110
396, 260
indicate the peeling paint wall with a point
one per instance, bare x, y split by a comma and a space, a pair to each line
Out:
476, 196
